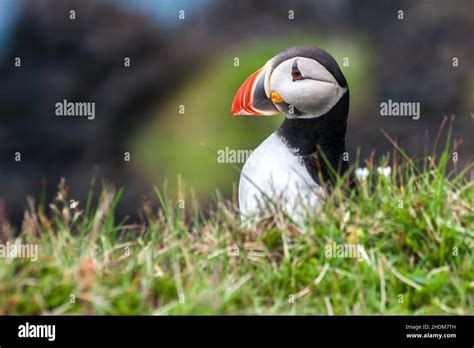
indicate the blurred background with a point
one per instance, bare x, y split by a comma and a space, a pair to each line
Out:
183, 57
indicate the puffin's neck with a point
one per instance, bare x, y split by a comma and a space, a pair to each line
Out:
307, 137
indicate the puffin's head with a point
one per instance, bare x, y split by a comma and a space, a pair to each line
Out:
302, 82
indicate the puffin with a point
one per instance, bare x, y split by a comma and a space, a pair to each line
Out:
288, 169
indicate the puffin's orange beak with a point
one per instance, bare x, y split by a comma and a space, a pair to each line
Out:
252, 97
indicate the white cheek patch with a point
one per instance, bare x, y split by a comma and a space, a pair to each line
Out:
322, 97
315, 95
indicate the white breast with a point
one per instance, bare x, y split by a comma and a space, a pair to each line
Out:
274, 173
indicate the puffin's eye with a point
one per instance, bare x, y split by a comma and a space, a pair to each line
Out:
295, 72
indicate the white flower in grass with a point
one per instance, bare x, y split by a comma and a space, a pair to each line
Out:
361, 173
385, 171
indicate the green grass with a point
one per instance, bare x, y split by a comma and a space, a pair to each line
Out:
416, 227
